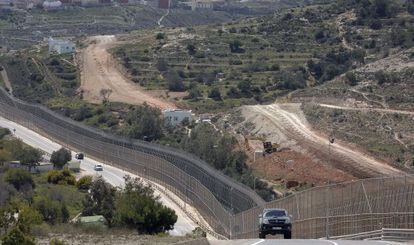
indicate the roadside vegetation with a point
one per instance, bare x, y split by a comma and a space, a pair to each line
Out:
33, 204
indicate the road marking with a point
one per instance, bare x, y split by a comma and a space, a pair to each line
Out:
262, 240
331, 242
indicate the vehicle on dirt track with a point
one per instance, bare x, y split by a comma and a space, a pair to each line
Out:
275, 221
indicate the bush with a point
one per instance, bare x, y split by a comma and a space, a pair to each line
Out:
143, 122
61, 177
19, 178
236, 46
56, 241
52, 211
351, 78
160, 36
4, 132
175, 82
137, 208
16, 236
215, 94
84, 183
60, 158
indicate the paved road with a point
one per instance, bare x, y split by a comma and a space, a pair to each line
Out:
298, 242
111, 174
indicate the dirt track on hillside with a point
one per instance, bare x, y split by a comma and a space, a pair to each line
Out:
286, 124
368, 109
99, 71
6, 80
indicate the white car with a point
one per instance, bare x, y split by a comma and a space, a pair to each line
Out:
98, 167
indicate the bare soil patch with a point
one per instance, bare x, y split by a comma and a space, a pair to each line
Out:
99, 71
285, 124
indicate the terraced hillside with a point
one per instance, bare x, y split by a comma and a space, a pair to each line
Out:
23, 29
250, 61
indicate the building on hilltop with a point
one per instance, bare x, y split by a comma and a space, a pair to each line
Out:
202, 4
61, 46
51, 5
177, 116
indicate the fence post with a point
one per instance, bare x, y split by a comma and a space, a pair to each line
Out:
327, 213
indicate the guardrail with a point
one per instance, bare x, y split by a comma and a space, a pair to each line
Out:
384, 234
230, 208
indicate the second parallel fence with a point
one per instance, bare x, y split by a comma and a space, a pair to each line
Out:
230, 208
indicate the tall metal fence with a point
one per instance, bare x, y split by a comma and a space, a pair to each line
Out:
230, 208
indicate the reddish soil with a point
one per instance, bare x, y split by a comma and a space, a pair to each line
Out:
291, 165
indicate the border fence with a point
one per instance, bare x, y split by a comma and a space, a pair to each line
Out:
230, 208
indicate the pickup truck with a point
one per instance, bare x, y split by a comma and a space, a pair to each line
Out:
275, 221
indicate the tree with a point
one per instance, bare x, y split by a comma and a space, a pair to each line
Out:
31, 157
410, 6
101, 200
137, 208
215, 94
60, 157
143, 122
105, 93
245, 87
194, 93
19, 178
191, 49
236, 46
162, 65
52, 211
175, 82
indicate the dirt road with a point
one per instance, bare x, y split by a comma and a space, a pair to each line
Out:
288, 120
368, 109
6, 80
99, 71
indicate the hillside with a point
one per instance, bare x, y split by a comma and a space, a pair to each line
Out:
254, 60
349, 65
23, 29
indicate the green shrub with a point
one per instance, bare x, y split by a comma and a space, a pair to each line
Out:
84, 183
4, 132
61, 177
160, 36
16, 236
52, 211
56, 241
351, 78
19, 178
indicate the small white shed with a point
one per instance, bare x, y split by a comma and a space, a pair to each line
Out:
177, 116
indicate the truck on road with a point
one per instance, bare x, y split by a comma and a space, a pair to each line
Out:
275, 221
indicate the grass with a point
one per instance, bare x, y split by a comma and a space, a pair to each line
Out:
70, 195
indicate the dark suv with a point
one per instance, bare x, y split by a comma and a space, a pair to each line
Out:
275, 221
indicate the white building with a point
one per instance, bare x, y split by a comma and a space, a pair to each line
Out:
202, 4
51, 5
61, 46
177, 116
